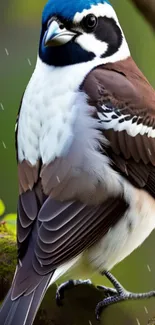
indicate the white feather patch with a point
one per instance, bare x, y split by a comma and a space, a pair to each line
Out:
90, 43
132, 128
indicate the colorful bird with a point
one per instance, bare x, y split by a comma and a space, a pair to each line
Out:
86, 157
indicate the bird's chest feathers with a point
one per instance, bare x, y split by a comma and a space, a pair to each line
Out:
56, 121
48, 112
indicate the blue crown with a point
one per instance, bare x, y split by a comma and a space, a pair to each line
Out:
68, 8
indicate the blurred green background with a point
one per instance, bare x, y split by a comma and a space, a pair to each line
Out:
19, 35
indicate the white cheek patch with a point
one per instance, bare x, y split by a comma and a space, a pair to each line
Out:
90, 43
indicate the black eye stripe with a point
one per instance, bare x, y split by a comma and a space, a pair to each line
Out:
109, 32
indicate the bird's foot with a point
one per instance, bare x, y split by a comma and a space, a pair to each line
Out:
117, 295
67, 286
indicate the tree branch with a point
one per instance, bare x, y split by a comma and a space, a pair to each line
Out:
79, 303
147, 8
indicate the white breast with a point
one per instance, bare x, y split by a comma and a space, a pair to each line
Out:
48, 110
46, 116
129, 233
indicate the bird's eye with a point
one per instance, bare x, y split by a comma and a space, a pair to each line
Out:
61, 26
89, 23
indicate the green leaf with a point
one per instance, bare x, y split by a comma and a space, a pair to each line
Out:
10, 220
2, 208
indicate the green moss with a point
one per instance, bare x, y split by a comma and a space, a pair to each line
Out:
7, 260
8, 224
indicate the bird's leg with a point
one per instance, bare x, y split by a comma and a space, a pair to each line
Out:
118, 294
114, 295
66, 286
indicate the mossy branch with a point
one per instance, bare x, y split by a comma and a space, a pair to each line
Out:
79, 303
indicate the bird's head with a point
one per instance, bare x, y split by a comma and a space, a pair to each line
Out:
76, 31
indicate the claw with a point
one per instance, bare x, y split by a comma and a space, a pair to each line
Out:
67, 286
61, 289
117, 295
107, 291
59, 297
107, 302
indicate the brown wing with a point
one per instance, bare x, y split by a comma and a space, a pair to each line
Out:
52, 234
69, 228
125, 104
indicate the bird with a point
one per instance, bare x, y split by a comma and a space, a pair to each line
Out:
85, 143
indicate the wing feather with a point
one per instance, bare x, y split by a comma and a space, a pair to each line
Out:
125, 107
